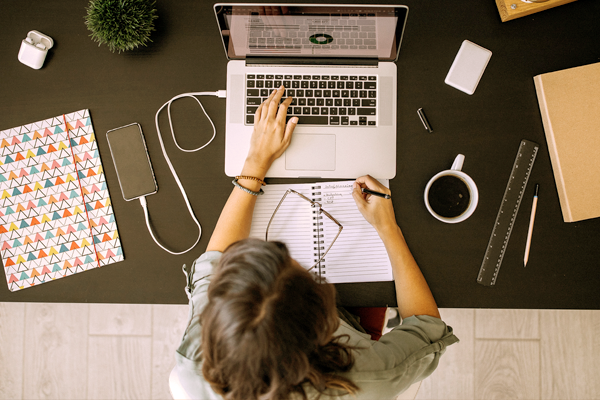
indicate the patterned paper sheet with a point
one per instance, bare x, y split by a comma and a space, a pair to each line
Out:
56, 217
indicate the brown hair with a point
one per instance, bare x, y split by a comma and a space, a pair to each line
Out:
268, 327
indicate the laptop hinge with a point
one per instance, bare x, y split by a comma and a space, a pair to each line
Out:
270, 61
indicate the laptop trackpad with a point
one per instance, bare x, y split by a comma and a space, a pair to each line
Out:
311, 153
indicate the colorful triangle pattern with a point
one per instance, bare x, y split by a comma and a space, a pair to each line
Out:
56, 216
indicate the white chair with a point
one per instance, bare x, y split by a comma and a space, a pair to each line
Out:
177, 391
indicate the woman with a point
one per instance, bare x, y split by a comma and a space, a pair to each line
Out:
262, 327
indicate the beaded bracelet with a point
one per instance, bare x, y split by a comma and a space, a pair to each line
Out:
235, 182
251, 178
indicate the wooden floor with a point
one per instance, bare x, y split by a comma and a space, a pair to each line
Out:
79, 351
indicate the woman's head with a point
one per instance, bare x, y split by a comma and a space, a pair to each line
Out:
268, 326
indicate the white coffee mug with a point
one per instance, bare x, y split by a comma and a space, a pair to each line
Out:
455, 171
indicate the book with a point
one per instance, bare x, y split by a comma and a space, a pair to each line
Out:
358, 254
56, 217
569, 102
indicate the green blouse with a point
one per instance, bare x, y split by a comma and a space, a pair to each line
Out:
382, 369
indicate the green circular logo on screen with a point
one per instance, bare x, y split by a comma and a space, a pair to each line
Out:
321, 38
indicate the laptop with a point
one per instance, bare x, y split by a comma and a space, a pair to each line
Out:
337, 62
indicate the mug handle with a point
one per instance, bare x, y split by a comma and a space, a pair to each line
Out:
458, 162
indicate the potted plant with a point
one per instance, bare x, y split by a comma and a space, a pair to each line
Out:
121, 24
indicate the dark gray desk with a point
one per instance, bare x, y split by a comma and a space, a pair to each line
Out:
186, 55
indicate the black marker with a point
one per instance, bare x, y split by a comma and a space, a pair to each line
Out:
424, 120
374, 193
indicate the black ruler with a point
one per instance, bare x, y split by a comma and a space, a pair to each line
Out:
488, 273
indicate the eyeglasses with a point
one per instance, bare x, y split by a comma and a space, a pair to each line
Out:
320, 211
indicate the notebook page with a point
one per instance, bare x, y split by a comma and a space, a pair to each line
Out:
358, 255
292, 224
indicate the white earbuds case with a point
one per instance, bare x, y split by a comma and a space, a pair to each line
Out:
34, 49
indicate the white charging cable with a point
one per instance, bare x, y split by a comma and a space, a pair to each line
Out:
220, 94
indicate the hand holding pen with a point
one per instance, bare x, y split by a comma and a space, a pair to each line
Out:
377, 209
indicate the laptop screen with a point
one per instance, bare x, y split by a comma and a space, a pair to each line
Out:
311, 31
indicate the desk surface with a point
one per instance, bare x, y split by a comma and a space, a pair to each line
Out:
186, 55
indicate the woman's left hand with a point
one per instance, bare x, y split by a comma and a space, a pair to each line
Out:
271, 135
269, 140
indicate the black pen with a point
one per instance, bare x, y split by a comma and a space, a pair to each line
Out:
374, 193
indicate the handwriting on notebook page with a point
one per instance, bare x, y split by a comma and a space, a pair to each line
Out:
358, 255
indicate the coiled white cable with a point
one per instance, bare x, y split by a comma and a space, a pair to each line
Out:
219, 93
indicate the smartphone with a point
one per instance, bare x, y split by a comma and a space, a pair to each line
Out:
132, 162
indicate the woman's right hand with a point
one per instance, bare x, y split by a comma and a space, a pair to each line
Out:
412, 292
377, 211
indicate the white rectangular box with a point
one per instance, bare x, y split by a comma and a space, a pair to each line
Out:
468, 67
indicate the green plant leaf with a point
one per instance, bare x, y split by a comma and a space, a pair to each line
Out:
121, 24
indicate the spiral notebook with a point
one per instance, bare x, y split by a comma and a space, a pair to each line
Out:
358, 254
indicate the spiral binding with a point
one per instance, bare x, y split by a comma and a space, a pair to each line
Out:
318, 232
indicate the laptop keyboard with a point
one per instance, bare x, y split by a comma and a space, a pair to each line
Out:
318, 99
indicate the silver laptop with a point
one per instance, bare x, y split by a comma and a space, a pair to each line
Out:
337, 62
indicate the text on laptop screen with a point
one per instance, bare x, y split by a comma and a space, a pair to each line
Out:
337, 31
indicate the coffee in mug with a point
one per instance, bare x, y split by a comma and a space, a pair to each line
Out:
451, 196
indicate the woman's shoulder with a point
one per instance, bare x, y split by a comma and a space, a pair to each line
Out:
405, 355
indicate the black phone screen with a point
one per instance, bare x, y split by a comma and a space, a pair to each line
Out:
132, 162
